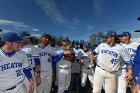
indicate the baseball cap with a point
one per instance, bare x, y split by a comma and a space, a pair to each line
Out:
45, 34
64, 39
52, 38
25, 34
75, 42
81, 41
110, 34
125, 34
11, 37
86, 44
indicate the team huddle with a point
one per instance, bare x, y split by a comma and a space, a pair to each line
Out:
49, 68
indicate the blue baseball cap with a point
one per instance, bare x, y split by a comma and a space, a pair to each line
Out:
81, 41
86, 44
11, 37
52, 38
125, 34
64, 39
110, 34
75, 42
45, 34
25, 34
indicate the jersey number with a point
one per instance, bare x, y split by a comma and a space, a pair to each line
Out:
19, 73
114, 61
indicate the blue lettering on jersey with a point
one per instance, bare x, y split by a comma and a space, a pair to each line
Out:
29, 55
10, 65
131, 50
29, 58
110, 52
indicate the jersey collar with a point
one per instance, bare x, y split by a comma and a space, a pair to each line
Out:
9, 54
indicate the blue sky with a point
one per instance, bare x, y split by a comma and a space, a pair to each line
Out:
74, 18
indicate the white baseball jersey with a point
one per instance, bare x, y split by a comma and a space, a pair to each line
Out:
131, 47
110, 57
85, 59
45, 53
11, 69
32, 52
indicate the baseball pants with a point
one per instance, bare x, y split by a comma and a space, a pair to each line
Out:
46, 82
64, 77
87, 73
121, 81
101, 76
18, 89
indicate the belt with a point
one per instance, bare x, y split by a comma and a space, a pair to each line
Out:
88, 68
13, 87
106, 70
63, 68
100, 67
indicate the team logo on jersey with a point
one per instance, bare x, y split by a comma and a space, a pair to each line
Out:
110, 52
10, 65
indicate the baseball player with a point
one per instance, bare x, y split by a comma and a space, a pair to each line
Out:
45, 52
13, 66
54, 81
109, 56
64, 68
75, 68
137, 70
33, 59
131, 47
87, 70
81, 44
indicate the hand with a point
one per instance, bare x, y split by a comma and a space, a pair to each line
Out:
129, 75
31, 86
92, 57
38, 79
